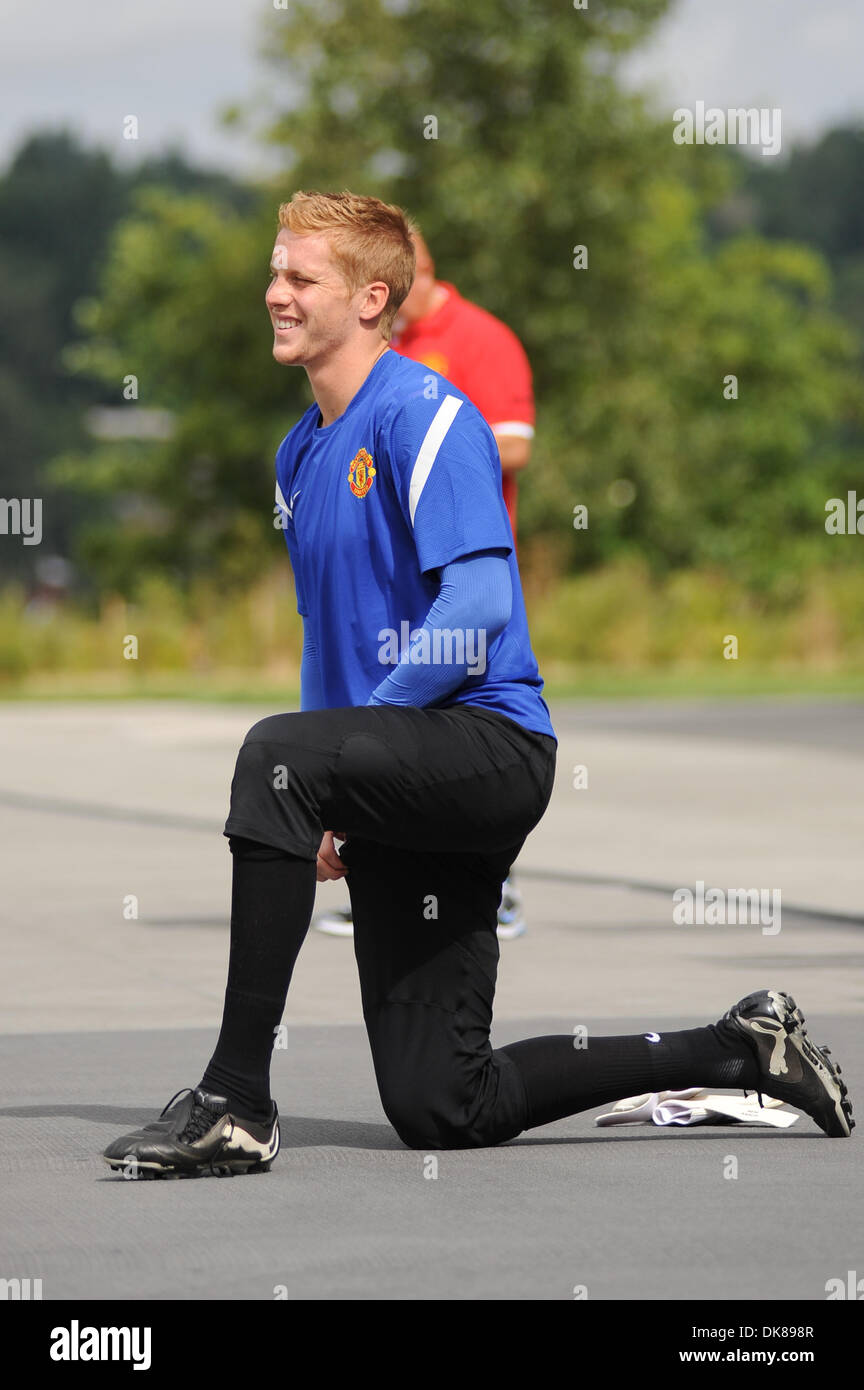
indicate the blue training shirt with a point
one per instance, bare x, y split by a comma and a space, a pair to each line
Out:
405, 481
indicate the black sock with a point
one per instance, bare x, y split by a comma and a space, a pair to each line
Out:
272, 897
561, 1079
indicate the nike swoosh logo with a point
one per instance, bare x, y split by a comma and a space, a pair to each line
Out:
651, 1037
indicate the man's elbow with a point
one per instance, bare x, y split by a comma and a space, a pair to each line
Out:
500, 604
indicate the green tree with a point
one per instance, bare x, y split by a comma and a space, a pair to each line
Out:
815, 196
59, 204
182, 311
504, 129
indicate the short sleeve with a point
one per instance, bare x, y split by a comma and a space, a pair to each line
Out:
447, 476
498, 380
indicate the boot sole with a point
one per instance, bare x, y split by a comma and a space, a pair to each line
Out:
143, 1171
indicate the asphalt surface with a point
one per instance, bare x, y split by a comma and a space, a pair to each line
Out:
104, 1016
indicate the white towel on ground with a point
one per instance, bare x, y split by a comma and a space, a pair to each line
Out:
695, 1107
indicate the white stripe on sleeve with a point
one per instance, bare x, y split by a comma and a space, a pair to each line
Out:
517, 428
444, 417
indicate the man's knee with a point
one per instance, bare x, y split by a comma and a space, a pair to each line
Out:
274, 728
276, 788
448, 1109
271, 752
420, 1123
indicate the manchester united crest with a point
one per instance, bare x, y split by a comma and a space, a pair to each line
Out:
361, 473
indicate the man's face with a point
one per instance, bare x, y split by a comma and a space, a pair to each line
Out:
312, 311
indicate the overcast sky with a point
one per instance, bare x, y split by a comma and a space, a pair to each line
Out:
175, 63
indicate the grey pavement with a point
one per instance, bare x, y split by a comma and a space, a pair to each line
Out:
103, 1016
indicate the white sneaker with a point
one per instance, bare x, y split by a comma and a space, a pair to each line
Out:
338, 923
511, 922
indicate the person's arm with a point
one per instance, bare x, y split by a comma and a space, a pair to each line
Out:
472, 608
515, 451
311, 689
499, 383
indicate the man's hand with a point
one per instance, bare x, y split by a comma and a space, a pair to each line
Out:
329, 864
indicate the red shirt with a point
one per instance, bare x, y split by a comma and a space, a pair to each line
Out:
483, 358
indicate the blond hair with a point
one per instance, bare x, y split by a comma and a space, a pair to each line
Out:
369, 240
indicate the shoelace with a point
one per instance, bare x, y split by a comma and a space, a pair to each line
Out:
172, 1100
200, 1120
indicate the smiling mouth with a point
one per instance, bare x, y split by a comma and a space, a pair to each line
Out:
285, 325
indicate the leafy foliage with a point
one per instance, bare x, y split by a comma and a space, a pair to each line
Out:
537, 150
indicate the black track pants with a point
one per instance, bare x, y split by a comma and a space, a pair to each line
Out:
436, 805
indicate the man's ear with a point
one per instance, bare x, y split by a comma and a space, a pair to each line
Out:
377, 295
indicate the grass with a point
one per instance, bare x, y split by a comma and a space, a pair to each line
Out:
607, 683
616, 633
